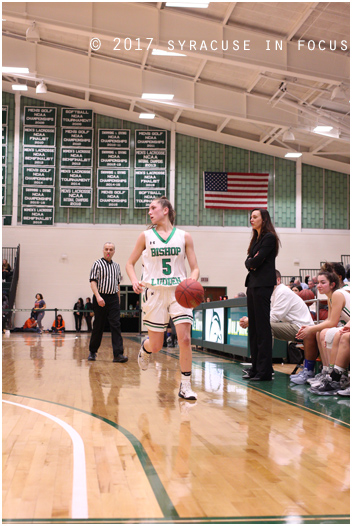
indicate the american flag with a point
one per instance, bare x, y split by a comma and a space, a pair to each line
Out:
235, 191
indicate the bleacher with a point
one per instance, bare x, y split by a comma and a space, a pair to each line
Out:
345, 260
8, 253
286, 280
312, 272
9, 287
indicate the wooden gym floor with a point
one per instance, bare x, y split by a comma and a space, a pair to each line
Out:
99, 442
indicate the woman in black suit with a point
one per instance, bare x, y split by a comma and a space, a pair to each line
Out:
260, 282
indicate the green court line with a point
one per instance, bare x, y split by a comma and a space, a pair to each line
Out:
160, 493
170, 514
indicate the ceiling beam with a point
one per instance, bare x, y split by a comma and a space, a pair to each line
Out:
117, 79
185, 129
272, 133
321, 145
299, 23
346, 154
334, 67
223, 124
317, 114
177, 116
199, 70
228, 13
254, 82
126, 82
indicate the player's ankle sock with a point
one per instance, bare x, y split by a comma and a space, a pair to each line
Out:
309, 364
335, 375
145, 350
185, 377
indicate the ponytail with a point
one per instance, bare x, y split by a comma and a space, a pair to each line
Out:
327, 270
165, 203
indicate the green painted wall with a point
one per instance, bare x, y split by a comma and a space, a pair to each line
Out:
187, 181
285, 193
337, 194
325, 194
9, 100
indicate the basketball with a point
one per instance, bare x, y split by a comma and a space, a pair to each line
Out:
306, 294
189, 293
323, 314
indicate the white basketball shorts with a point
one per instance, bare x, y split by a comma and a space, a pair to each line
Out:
330, 335
159, 305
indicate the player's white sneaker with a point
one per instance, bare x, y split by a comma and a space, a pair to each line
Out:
318, 379
186, 391
302, 377
344, 392
143, 358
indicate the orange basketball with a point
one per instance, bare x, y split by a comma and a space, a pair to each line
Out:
189, 293
323, 314
306, 294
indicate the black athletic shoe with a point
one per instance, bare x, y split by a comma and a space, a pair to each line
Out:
258, 378
91, 357
248, 375
120, 358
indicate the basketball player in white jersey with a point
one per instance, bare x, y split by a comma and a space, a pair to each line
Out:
164, 248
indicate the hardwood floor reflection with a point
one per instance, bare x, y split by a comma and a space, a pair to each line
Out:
240, 453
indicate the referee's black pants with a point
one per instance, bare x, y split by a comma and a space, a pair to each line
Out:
259, 330
110, 312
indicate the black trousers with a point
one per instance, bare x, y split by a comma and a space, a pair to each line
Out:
259, 330
78, 322
110, 312
89, 322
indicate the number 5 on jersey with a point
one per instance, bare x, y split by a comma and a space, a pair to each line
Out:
166, 266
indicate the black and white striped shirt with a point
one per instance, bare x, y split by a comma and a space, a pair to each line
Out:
107, 275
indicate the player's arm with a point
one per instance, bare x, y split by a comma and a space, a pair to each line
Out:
332, 320
191, 256
132, 260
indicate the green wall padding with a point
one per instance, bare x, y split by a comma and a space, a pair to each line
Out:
312, 197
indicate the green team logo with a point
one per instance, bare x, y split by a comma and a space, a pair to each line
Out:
165, 251
166, 282
166, 265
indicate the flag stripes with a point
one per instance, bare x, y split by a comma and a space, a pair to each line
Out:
230, 190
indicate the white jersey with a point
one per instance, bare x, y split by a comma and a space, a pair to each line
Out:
164, 260
345, 313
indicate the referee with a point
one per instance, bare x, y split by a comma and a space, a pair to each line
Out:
104, 280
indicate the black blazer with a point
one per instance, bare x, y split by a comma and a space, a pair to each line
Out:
261, 267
